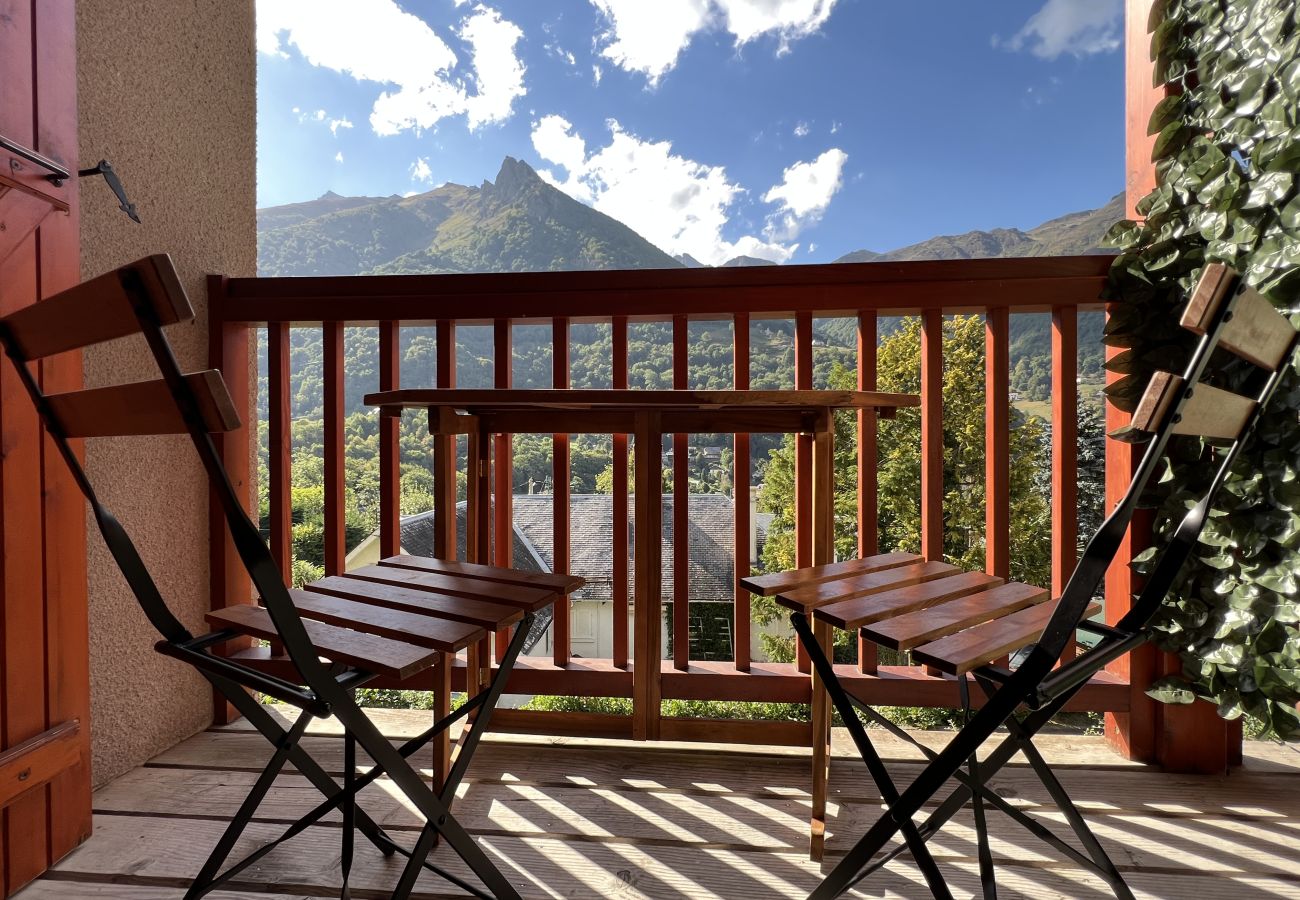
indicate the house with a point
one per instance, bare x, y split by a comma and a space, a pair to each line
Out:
712, 570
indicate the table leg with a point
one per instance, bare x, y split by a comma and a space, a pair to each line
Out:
823, 552
478, 542
647, 574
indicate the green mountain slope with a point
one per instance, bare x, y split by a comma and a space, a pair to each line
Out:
1073, 234
517, 223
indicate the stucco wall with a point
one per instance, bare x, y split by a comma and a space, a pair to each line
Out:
167, 95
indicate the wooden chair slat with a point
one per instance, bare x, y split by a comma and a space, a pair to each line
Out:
923, 626
806, 598
850, 614
99, 310
551, 581
1211, 412
778, 582
530, 599
143, 407
480, 613
412, 628
960, 653
380, 655
1257, 332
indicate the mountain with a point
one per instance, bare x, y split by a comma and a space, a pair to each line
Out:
517, 223
740, 262
1072, 234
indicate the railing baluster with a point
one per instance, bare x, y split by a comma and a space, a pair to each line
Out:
560, 494
279, 446
390, 460
681, 509
618, 379
1065, 458
997, 461
740, 493
444, 449
503, 453
803, 487
932, 434
335, 526
868, 515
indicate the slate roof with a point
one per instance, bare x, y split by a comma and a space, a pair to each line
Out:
591, 516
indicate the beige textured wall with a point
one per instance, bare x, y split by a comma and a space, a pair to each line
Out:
167, 94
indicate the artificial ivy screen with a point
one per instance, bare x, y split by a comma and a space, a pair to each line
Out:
1228, 160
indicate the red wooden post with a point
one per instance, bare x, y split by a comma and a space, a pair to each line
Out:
444, 451
868, 481
618, 329
560, 495
390, 459
228, 351
681, 509
503, 506
279, 446
803, 448
336, 549
1182, 738
932, 434
741, 495
1065, 450
997, 458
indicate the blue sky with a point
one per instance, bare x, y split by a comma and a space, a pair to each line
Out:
795, 130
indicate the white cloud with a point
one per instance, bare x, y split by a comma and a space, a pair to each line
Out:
420, 170
678, 204
498, 70
338, 157
336, 124
648, 37
377, 41
805, 191
801, 129
1075, 27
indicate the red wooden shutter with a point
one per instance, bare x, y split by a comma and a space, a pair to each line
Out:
44, 657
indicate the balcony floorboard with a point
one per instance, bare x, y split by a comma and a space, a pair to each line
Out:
579, 817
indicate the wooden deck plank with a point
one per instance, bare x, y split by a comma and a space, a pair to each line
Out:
588, 818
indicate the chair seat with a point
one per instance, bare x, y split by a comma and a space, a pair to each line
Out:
380, 655
913, 629
965, 650
864, 585
855, 613
397, 617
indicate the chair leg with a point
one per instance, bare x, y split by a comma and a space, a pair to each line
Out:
409, 782
1105, 867
988, 881
262, 720
349, 809
208, 879
464, 752
875, 765
944, 766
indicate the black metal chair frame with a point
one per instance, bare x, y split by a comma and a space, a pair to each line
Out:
1037, 683
328, 689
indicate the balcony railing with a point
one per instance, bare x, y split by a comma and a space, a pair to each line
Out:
996, 289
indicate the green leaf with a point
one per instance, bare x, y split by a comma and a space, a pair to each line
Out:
1172, 690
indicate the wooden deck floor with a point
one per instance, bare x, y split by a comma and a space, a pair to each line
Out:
588, 819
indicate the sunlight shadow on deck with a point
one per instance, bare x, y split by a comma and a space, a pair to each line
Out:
602, 819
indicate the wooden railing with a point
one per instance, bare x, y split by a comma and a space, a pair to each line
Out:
994, 288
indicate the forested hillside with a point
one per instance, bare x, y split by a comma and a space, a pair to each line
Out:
519, 223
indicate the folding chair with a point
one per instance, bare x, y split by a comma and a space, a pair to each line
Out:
964, 624
395, 619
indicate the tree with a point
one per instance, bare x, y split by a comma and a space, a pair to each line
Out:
899, 474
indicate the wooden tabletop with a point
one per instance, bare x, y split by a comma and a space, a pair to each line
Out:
500, 400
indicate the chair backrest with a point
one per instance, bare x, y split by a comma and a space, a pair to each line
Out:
142, 298
1226, 315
